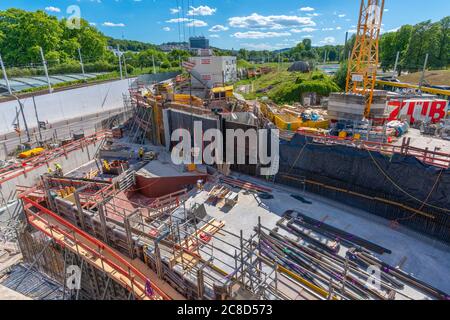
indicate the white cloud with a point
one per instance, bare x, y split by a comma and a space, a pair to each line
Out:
218, 28
214, 36
92, 23
178, 20
166, 29
342, 15
52, 9
197, 23
307, 9
315, 14
328, 40
112, 24
191, 22
352, 31
175, 10
201, 11
257, 21
302, 30
338, 28
386, 10
327, 29
259, 35
394, 30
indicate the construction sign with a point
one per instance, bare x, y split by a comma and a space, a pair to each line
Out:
427, 110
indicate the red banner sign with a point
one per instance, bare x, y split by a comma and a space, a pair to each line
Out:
415, 110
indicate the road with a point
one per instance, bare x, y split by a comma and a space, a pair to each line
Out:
61, 130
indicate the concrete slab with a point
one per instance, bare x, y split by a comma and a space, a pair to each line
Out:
8, 294
425, 258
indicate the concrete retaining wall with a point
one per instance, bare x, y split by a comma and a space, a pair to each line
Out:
70, 162
64, 105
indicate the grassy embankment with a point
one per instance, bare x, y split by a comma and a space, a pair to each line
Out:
287, 87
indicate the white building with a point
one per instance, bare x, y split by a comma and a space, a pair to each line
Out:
214, 70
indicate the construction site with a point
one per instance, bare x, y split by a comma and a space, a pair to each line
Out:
357, 208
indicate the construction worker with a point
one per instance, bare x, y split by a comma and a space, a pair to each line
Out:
49, 170
141, 153
58, 169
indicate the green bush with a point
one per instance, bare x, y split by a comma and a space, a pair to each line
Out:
292, 92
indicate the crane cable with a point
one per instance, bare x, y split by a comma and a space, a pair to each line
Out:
423, 203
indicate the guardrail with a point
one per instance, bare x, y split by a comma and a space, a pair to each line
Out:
416, 87
435, 158
45, 157
68, 235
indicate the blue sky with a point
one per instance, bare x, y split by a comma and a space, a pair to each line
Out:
251, 24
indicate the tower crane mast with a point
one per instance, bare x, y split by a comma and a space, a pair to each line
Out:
363, 62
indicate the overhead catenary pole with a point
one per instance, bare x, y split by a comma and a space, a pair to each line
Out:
120, 62
81, 61
18, 125
37, 118
154, 67
345, 46
422, 78
44, 63
23, 116
5, 75
394, 73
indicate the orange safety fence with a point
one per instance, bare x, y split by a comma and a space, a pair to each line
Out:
88, 244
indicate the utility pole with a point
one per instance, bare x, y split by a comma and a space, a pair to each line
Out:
44, 63
422, 78
37, 119
120, 62
5, 76
394, 74
125, 65
154, 67
279, 61
345, 45
18, 125
325, 57
23, 116
81, 62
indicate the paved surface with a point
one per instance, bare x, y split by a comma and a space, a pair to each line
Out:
426, 259
8, 294
420, 141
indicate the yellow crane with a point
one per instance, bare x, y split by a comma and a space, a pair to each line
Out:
363, 63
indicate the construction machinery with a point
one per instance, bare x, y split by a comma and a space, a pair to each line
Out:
363, 62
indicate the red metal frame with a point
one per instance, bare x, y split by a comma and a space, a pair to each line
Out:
438, 159
8, 173
96, 243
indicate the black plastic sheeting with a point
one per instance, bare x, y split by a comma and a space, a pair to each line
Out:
401, 179
398, 178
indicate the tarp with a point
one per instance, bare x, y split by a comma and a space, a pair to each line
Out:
403, 179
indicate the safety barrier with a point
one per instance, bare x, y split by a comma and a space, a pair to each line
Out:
15, 170
435, 158
441, 92
69, 236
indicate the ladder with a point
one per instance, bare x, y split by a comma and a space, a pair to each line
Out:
128, 180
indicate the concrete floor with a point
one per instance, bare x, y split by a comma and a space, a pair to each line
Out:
426, 259
421, 141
